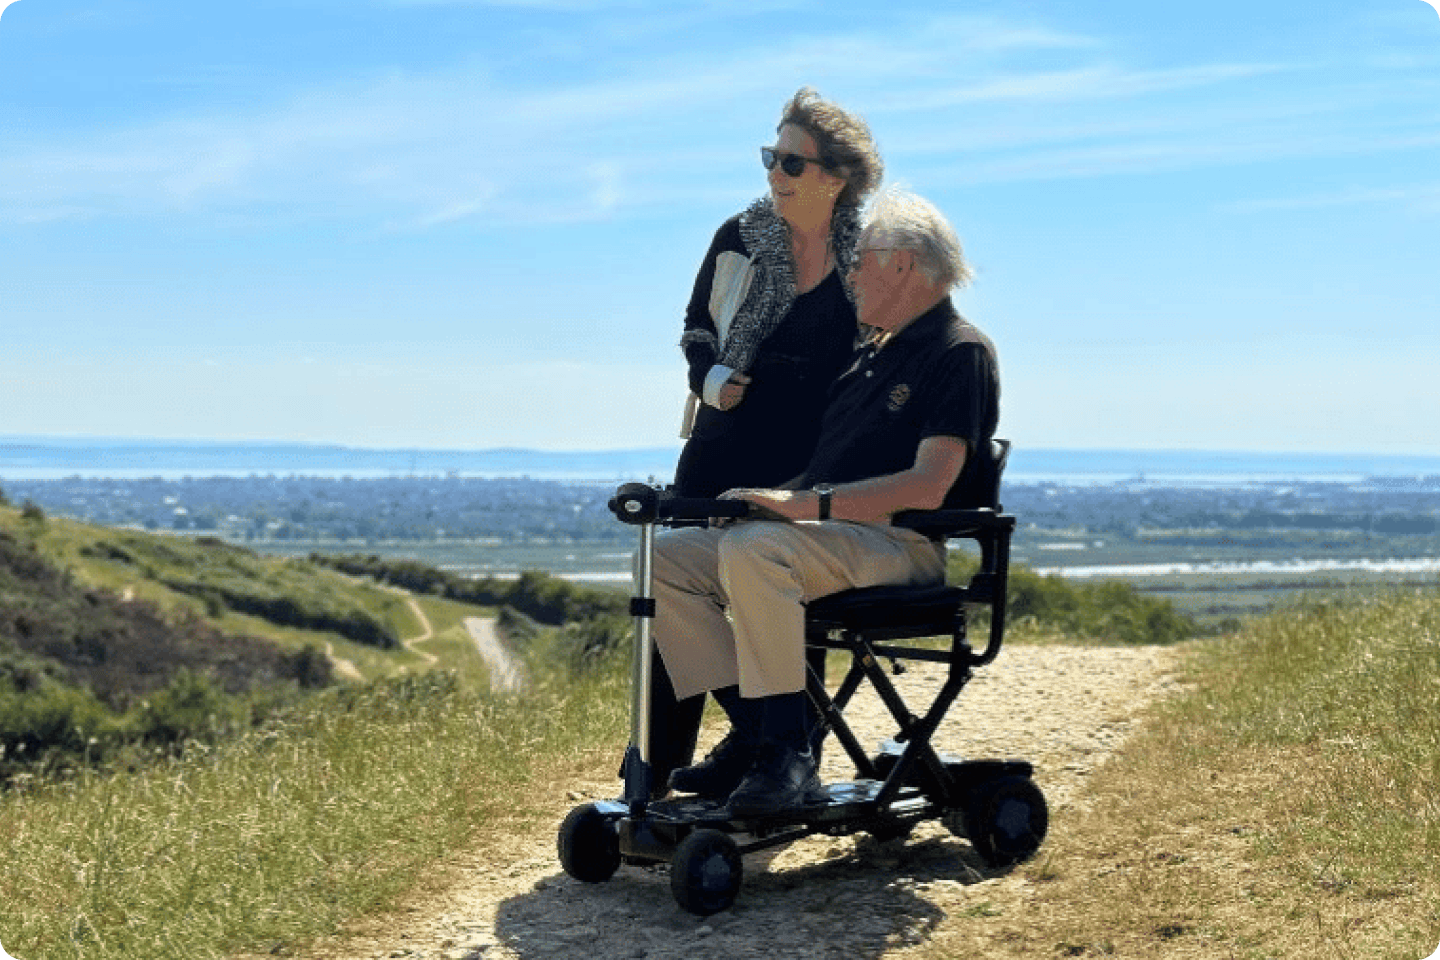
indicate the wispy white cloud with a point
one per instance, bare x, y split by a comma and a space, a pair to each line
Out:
566, 6
464, 145
1141, 151
1422, 198
1104, 81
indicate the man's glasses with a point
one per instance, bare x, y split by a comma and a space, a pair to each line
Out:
791, 164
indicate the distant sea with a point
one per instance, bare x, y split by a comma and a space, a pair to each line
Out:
55, 458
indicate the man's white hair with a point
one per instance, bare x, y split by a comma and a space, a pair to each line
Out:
910, 222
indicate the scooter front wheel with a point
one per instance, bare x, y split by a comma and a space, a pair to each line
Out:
589, 845
706, 872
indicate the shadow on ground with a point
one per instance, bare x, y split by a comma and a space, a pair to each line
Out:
819, 898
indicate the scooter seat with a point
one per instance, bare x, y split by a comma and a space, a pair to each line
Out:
871, 608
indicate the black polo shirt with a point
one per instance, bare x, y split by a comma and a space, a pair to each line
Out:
936, 377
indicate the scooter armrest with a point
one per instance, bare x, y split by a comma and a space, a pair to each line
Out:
638, 503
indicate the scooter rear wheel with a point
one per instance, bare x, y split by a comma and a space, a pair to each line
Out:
1006, 820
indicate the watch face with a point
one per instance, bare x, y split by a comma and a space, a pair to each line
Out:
824, 490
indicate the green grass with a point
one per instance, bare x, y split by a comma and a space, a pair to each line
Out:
1220, 602
336, 804
144, 565
281, 835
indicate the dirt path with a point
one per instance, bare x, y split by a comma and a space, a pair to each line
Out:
344, 668
1064, 708
426, 632
505, 673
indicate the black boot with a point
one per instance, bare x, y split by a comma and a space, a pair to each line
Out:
674, 726
717, 776
785, 775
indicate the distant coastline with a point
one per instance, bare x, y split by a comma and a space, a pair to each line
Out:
50, 458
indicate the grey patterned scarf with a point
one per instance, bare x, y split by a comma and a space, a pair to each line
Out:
772, 290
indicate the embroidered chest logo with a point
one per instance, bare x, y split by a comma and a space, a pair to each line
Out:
898, 397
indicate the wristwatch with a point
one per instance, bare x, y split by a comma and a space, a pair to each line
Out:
826, 492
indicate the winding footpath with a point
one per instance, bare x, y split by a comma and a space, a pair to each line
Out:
506, 675
426, 632
346, 669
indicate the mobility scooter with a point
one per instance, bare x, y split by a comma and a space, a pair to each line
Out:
993, 803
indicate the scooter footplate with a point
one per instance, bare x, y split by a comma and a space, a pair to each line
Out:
848, 807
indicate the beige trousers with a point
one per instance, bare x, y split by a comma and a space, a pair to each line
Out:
730, 602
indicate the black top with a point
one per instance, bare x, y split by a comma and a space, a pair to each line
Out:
767, 439
937, 377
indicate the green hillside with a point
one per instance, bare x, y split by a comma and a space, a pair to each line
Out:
115, 639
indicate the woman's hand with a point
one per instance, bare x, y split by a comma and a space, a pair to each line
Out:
733, 391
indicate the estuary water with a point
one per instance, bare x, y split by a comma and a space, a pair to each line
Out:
1414, 565
1411, 566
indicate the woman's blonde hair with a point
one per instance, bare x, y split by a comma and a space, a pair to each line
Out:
842, 140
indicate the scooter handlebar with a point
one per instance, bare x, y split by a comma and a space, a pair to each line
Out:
639, 503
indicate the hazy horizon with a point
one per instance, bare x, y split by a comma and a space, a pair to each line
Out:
38, 458
80, 440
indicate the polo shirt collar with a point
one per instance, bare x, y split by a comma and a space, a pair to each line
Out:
926, 325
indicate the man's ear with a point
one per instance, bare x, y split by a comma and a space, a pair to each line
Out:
905, 262
916, 271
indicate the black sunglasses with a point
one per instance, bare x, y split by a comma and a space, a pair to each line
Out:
792, 164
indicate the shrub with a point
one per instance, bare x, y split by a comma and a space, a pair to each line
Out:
191, 707
592, 640
1111, 610
516, 626
306, 610
85, 676
541, 596
51, 724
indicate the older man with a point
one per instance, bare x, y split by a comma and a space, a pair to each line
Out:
922, 393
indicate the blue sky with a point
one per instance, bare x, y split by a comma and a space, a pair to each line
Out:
450, 224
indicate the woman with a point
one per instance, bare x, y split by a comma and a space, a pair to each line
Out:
776, 272
781, 264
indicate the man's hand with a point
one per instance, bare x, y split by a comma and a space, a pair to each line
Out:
938, 463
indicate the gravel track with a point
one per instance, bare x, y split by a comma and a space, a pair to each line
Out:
1064, 708
506, 675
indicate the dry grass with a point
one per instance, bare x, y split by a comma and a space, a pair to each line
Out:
1288, 806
